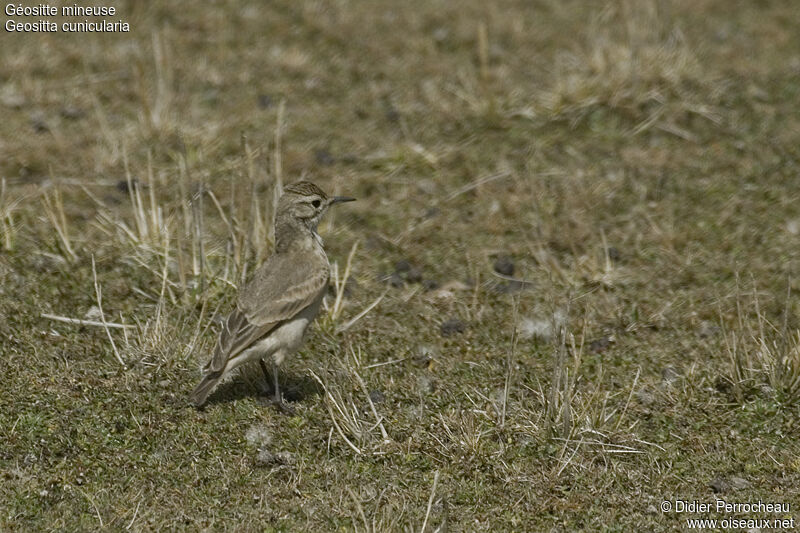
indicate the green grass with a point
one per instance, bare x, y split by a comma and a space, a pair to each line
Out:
636, 160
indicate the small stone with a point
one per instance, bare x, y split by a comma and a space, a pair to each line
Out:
285, 458
39, 123
738, 483
210, 97
93, 313
722, 385
529, 328
426, 186
430, 284
541, 328
264, 101
669, 374
504, 265
426, 385
726, 485
402, 266
124, 186
613, 253
449, 288
258, 436
432, 212
424, 357
323, 157
12, 100
414, 275
377, 396
264, 457
767, 391
601, 345
719, 485
451, 327
645, 398
72, 112
391, 114
455, 285
757, 93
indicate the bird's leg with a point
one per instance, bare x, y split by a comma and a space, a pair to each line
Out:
282, 407
264, 370
278, 397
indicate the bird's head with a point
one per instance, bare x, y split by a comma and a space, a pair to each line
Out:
307, 203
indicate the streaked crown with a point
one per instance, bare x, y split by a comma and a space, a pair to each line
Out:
305, 188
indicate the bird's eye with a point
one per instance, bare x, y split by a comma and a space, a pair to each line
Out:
316, 203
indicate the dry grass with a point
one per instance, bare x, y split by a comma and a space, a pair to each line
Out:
535, 301
635, 61
762, 356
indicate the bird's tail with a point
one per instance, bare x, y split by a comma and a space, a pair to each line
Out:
200, 393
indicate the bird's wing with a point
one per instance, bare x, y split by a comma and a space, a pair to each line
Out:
237, 335
283, 286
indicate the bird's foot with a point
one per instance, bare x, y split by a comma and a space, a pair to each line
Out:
283, 407
280, 405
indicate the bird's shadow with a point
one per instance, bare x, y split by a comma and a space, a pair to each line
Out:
293, 389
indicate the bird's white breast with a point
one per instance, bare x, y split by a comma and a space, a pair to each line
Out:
286, 338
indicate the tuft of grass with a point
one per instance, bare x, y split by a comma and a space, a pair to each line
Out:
8, 228
53, 205
633, 60
763, 357
351, 410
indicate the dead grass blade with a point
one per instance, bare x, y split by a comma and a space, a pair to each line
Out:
98, 292
54, 209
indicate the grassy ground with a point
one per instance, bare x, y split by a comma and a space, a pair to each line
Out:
579, 220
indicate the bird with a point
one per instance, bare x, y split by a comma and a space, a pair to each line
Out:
275, 307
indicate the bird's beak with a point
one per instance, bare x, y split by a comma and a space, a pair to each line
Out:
341, 199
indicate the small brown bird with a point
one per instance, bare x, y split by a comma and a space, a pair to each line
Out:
283, 297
